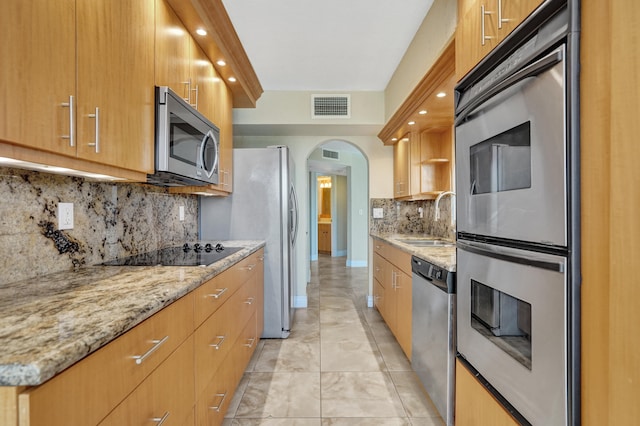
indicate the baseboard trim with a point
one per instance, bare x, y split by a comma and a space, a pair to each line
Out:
357, 263
300, 301
369, 301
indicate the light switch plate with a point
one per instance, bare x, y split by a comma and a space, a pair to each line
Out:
181, 213
378, 213
65, 216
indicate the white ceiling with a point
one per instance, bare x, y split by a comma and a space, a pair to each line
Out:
326, 45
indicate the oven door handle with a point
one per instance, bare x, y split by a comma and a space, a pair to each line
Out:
483, 250
532, 70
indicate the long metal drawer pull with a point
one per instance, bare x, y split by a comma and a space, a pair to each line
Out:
251, 342
196, 104
157, 343
249, 301
188, 84
96, 143
220, 292
219, 406
220, 342
483, 15
72, 131
161, 420
501, 20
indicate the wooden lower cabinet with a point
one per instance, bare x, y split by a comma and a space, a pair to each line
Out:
197, 361
324, 238
475, 406
103, 379
167, 393
393, 291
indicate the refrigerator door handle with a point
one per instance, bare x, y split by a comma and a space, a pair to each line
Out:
294, 225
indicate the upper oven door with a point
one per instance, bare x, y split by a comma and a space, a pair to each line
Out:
511, 157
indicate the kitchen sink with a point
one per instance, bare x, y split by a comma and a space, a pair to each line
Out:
417, 242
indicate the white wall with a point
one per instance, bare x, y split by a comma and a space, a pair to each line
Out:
436, 30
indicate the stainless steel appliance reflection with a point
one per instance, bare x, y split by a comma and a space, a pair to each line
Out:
433, 344
518, 209
263, 206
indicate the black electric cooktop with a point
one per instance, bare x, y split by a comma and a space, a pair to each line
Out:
187, 255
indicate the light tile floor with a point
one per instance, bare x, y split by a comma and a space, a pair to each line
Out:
340, 366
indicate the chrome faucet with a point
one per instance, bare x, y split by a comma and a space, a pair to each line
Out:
453, 205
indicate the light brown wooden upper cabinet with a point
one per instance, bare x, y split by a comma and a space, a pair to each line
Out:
77, 81
483, 24
116, 100
38, 73
183, 66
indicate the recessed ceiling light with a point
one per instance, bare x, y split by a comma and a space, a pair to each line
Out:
411, 123
221, 63
232, 79
441, 95
201, 31
394, 139
423, 112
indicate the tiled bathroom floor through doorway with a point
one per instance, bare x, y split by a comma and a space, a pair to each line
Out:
340, 366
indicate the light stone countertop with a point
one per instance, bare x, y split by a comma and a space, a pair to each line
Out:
51, 322
444, 257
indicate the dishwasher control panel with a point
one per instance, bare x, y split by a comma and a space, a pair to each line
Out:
437, 275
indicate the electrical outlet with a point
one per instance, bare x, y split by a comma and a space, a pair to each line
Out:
181, 213
65, 216
378, 213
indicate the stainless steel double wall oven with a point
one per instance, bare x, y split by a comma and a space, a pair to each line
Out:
518, 220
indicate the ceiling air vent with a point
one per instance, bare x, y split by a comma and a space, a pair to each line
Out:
332, 155
331, 106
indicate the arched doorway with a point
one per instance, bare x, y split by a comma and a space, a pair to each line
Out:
338, 202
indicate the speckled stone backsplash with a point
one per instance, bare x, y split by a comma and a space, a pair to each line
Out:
110, 220
403, 217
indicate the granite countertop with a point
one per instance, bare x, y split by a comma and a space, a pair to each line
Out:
51, 322
444, 257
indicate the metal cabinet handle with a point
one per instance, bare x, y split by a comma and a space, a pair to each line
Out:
72, 126
220, 292
249, 301
157, 343
160, 420
194, 90
220, 342
187, 99
96, 142
501, 20
483, 14
249, 267
219, 406
251, 342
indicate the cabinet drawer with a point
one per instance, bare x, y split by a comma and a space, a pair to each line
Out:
103, 379
211, 295
166, 394
400, 259
378, 296
215, 338
379, 268
380, 248
216, 397
248, 267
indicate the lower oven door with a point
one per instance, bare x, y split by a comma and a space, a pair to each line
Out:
522, 352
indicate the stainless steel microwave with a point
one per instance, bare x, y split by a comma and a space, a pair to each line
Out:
187, 143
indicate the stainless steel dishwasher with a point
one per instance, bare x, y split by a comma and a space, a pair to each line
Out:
434, 333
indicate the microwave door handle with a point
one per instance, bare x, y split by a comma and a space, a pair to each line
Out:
532, 70
511, 257
201, 158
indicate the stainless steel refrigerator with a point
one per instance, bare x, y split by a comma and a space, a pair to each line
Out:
263, 206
